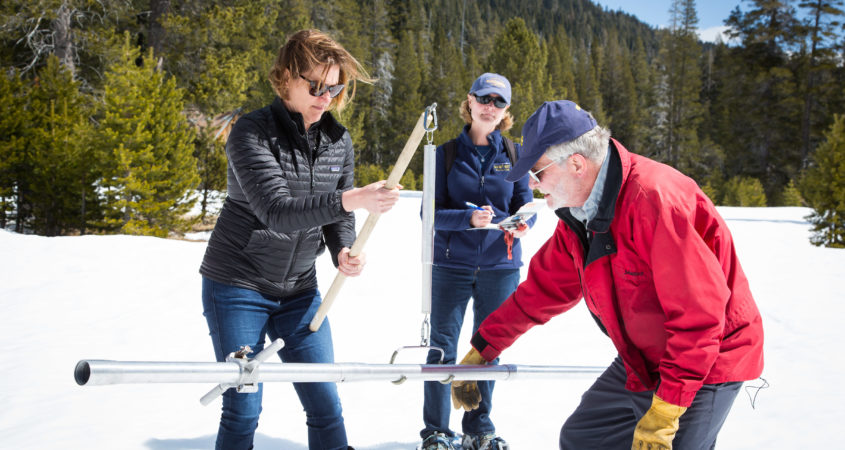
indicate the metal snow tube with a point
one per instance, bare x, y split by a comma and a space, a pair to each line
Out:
429, 168
101, 372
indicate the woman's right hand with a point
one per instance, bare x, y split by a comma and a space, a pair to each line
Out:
481, 218
374, 197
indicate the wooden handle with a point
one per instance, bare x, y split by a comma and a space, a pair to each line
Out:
392, 180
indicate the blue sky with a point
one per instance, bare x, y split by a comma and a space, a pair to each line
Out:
711, 13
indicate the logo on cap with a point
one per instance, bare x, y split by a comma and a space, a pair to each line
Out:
495, 83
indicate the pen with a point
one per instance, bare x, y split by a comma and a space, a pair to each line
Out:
474, 206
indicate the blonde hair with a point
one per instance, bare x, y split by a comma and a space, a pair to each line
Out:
307, 49
504, 125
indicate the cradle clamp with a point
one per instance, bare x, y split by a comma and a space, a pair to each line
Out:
403, 378
249, 371
247, 383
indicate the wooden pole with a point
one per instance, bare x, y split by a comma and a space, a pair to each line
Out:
392, 180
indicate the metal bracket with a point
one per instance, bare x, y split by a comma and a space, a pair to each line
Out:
249, 370
406, 347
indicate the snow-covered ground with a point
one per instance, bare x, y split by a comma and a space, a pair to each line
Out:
138, 299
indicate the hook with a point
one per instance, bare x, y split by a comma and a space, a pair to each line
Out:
429, 131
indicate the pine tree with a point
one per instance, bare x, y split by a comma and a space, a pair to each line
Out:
680, 87
823, 187
146, 145
714, 118
644, 84
14, 124
518, 56
743, 191
791, 196
587, 85
560, 67
210, 153
479, 33
761, 96
221, 52
618, 92
406, 105
61, 184
822, 25
447, 85
380, 58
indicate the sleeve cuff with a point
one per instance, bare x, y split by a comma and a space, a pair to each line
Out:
484, 348
674, 396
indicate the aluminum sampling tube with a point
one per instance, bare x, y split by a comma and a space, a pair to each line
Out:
100, 372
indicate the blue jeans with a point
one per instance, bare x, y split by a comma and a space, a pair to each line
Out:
451, 290
237, 317
608, 414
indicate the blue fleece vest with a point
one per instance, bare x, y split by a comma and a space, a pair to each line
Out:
483, 184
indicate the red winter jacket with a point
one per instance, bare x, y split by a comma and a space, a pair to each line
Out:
659, 272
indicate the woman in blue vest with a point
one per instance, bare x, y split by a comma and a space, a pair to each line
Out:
471, 192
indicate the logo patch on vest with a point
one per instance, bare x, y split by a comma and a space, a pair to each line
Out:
502, 167
334, 168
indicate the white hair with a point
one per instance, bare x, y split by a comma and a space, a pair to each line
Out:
591, 145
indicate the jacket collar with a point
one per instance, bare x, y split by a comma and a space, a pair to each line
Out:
616, 171
588, 210
494, 138
292, 124
619, 166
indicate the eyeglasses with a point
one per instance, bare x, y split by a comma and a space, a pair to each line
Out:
317, 91
499, 102
533, 173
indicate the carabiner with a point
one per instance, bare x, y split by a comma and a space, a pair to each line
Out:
429, 131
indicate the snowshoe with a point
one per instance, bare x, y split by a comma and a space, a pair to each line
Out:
487, 441
440, 441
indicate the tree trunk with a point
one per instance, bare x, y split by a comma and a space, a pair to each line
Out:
158, 11
808, 93
63, 45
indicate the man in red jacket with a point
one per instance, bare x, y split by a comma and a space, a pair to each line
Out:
656, 265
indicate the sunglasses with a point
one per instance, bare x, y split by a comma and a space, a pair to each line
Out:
317, 91
533, 173
498, 102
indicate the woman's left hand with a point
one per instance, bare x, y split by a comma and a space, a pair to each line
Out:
520, 231
351, 266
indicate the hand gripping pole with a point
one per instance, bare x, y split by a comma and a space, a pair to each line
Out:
392, 180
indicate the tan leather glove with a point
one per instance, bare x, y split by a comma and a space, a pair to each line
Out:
465, 393
657, 428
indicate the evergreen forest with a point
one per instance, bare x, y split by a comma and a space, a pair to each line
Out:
113, 112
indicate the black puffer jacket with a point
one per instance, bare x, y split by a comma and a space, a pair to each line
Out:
284, 203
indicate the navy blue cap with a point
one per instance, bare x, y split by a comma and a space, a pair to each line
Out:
492, 83
553, 123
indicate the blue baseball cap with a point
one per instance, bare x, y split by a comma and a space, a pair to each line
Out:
492, 83
553, 123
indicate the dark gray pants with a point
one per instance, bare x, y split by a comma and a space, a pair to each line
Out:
608, 414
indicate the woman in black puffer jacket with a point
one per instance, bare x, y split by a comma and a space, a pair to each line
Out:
290, 196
